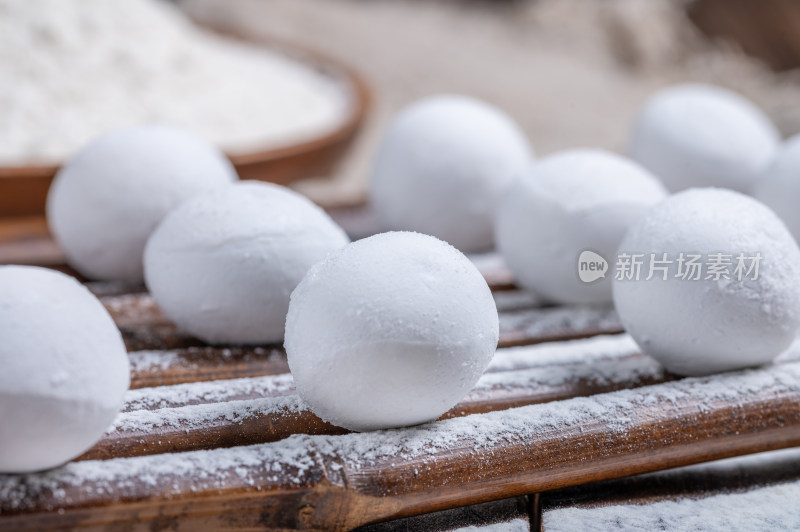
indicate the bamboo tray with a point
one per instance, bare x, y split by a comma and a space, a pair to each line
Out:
23, 189
633, 499
566, 401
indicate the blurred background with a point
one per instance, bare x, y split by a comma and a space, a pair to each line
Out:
573, 73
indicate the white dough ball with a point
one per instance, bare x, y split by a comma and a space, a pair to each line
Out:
568, 203
110, 196
442, 167
223, 265
700, 326
392, 330
779, 187
697, 135
65, 369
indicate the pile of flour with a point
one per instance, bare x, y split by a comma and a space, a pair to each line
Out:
70, 69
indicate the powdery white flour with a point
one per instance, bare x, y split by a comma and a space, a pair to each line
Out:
514, 525
601, 360
71, 69
551, 363
208, 392
764, 509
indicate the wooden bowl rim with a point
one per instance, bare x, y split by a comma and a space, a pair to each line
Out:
360, 101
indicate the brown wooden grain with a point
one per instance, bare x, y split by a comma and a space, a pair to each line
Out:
144, 326
659, 441
199, 362
218, 433
767, 29
529, 383
25, 240
23, 190
273, 426
244, 507
203, 363
691, 482
492, 514
338, 493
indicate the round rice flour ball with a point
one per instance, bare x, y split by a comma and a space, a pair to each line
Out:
443, 165
222, 265
733, 310
107, 200
779, 187
65, 369
696, 135
392, 330
569, 208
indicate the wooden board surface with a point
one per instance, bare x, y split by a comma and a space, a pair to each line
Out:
767, 29
632, 500
548, 414
507, 515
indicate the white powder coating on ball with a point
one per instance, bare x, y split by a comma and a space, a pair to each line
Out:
223, 265
696, 327
442, 167
779, 186
567, 203
103, 205
65, 369
695, 135
391, 330
72, 69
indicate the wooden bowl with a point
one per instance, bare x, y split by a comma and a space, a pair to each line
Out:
23, 189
